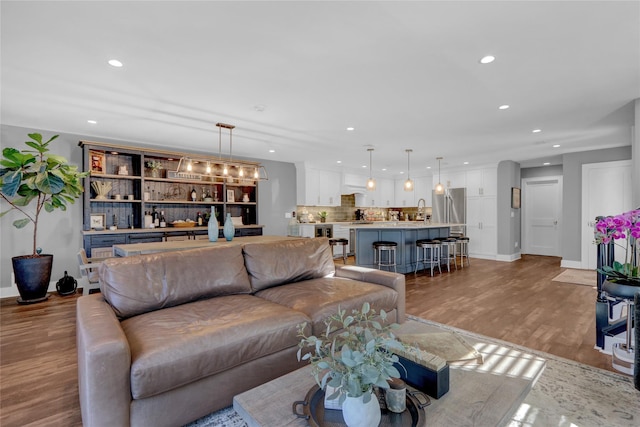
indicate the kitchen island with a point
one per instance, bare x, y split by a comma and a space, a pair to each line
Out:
404, 233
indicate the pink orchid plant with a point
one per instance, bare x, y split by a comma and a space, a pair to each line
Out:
614, 228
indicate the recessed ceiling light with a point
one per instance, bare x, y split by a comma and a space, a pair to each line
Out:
115, 63
536, 131
428, 167
556, 145
364, 166
259, 108
546, 164
487, 59
384, 169
339, 161
272, 151
465, 163
93, 122
351, 128
503, 107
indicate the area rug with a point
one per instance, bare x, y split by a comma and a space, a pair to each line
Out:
567, 393
577, 277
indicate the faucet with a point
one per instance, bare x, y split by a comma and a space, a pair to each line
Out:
420, 212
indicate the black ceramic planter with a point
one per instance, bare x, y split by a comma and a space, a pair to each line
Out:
32, 277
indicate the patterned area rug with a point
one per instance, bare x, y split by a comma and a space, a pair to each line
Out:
577, 277
567, 393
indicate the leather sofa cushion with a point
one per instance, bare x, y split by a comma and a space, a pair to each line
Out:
138, 284
320, 298
274, 263
182, 344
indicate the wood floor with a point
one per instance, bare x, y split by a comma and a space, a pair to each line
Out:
515, 302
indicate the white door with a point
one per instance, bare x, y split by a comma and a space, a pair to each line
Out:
606, 190
542, 211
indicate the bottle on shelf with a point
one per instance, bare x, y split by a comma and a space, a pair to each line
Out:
199, 218
148, 220
229, 229
155, 217
204, 193
212, 227
163, 220
194, 195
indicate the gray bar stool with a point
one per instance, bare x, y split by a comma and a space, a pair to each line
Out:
379, 248
464, 250
340, 242
430, 251
449, 252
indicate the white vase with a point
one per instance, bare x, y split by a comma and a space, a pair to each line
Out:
356, 413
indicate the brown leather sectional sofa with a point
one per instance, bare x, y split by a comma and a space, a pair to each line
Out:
174, 336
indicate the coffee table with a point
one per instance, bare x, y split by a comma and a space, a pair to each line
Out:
485, 394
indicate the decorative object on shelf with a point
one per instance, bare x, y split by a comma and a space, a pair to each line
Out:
371, 183
212, 227
439, 189
323, 216
122, 170
245, 198
354, 360
408, 184
96, 159
101, 188
155, 167
231, 196
97, 221
48, 180
229, 229
613, 228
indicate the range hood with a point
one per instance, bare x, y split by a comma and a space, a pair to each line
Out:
353, 189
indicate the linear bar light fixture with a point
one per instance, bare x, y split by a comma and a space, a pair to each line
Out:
219, 167
371, 183
439, 187
408, 184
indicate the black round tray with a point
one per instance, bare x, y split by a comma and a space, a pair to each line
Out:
317, 416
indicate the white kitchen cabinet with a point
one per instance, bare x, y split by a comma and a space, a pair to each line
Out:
386, 193
403, 198
451, 179
482, 228
317, 187
307, 230
482, 182
423, 190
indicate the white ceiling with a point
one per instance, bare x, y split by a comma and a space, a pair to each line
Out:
404, 74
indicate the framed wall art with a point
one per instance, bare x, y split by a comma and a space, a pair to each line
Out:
97, 221
97, 161
231, 196
515, 197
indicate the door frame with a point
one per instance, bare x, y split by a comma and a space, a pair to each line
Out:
587, 241
525, 208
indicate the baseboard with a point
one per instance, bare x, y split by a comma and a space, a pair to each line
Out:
12, 291
509, 258
570, 264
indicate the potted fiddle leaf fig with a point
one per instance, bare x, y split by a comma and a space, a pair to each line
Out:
33, 181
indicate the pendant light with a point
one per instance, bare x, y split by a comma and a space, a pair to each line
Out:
225, 170
371, 183
439, 187
408, 184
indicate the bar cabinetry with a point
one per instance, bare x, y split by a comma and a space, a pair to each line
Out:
127, 183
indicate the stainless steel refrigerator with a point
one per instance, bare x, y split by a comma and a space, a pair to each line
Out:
451, 208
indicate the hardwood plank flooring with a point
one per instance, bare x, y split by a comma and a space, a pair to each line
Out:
515, 302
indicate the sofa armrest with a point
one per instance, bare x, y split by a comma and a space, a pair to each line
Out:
104, 364
394, 281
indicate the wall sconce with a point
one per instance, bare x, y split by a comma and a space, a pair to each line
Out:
408, 184
371, 183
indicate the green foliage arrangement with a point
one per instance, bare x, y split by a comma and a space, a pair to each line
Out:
354, 354
35, 175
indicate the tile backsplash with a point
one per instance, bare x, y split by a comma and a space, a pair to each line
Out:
346, 212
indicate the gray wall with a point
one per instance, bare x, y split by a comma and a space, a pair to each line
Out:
509, 219
59, 232
541, 172
572, 195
